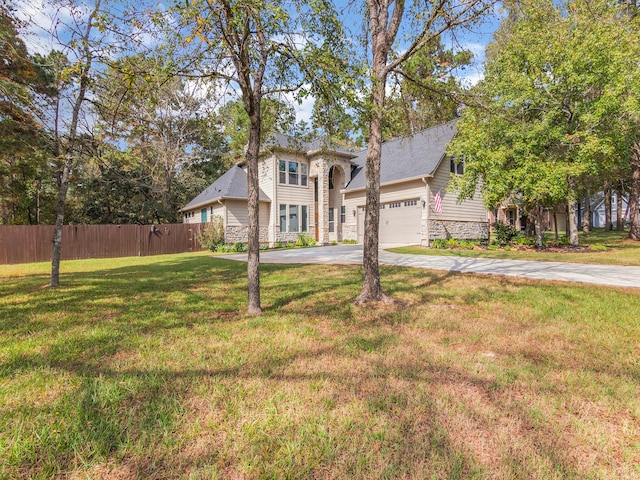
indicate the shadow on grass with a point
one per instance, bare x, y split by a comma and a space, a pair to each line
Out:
111, 413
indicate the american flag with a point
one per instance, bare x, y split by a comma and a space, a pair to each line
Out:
437, 202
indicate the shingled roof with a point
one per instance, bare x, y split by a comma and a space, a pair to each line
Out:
232, 185
287, 142
416, 156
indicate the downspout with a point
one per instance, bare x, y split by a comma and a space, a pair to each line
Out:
427, 206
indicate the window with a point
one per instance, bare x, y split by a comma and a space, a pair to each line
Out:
304, 218
411, 203
332, 226
293, 218
395, 205
293, 173
343, 214
331, 178
298, 218
457, 168
283, 218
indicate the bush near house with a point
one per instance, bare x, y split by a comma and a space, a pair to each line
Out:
212, 237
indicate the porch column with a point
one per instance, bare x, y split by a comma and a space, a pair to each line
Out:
323, 203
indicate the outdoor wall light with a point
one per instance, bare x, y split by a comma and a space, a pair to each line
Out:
354, 212
424, 203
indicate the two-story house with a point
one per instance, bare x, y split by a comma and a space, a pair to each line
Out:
319, 190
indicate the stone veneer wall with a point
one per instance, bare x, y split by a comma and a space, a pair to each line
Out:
349, 232
287, 237
458, 230
241, 234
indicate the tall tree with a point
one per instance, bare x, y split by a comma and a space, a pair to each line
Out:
66, 141
23, 172
259, 46
158, 116
277, 117
423, 25
545, 128
426, 91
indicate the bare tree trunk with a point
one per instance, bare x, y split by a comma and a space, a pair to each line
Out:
555, 224
63, 187
537, 223
572, 205
634, 194
573, 223
383, 31
371, 288
608, 224
253, 205
619, 217
586, 215
38, 208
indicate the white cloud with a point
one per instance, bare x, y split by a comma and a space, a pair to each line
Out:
40, 18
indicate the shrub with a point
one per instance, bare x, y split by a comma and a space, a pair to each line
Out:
598, 247
239, 247
522, 240
212, 236
467, 244
563, 240
504, 232
305, 240
440, 243
349, 241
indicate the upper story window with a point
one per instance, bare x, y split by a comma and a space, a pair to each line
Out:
292, 173
457, 168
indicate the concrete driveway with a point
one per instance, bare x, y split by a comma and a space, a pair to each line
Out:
352, 254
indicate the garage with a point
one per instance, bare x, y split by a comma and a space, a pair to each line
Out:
400, 222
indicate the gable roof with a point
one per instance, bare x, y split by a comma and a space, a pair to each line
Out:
410, 157
232, 184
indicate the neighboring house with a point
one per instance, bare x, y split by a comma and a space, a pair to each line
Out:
598, 210
317, 189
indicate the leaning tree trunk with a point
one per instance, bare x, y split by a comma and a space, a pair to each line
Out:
63, 179
253, 189
634, 194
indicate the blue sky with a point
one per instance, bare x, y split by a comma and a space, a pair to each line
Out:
475, 39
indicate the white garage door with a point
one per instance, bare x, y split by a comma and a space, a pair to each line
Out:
399, 222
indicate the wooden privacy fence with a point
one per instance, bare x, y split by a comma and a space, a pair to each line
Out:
34, 243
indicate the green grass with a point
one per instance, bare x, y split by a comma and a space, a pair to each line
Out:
148, 368
606, 248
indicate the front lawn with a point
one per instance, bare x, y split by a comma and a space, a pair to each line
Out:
607, 248
148, 368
